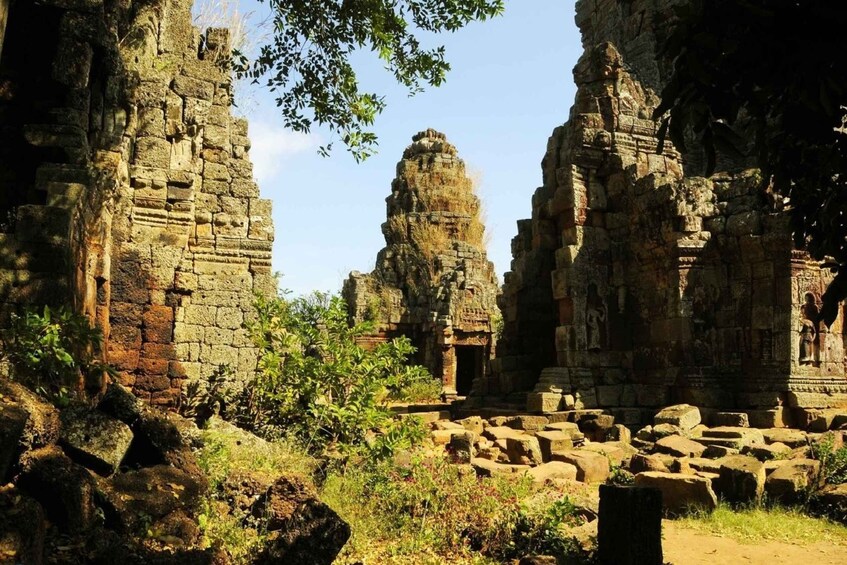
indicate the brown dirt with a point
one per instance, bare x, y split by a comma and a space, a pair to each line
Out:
683, 546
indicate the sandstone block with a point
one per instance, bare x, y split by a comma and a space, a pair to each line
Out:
684, 416
500, 432
679, 446
641, 463
735, 419
590, 467
553, 440
552, 470
764, 452
680, 492
791, 438
527, 423
543, 402
524, 450
96, 440
789, 482
742, 479
462, 446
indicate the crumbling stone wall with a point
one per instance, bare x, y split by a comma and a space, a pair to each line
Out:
432, 281
642, 284
134, 197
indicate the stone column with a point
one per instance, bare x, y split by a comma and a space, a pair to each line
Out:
4, 16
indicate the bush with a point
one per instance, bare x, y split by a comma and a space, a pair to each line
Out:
54, 352
316, 382
431, 507
833, 460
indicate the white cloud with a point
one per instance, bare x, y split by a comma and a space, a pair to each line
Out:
271, 146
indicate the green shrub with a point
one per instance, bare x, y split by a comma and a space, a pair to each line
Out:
833, 460
316, 382
54, 352
434, 508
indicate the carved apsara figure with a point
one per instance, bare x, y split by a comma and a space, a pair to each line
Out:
808, 330
595, 319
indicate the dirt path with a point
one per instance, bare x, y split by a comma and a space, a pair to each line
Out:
683, 546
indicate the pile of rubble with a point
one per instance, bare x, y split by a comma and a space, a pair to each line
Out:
119, 482
692, 463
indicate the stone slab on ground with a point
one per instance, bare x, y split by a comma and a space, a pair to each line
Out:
788, 482
790, 437
96, 440
742, 479
641, 463
684, 416
552, 470
735, 419
680, 492
486, 468
591, 467
766, 452
524, 450
679, 446
500, 432
553, 440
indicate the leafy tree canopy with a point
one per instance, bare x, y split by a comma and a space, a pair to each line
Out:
307, 61
779, 68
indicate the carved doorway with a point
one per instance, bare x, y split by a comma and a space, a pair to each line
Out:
469, 366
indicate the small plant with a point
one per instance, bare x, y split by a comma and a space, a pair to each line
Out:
833, 460
215, 396
620, 476
54, 352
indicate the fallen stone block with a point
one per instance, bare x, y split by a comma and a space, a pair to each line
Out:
42, 424
641, 463
13, 420
472, 424
22, 527
617, 452
527, 423
664, 430
552, 470
524, 450
791, 438
745, 435
64, 489
301, 528
553, 440
679, 446
96, 440
543, 402
500, 432
701, 464
443, 437
446, 425
684, 416
771, 418
718, 451
120, 403
680, 492
742, 479
486, 468
461, 446
789, 483
590, 467
734, 419
766, 452
620, 433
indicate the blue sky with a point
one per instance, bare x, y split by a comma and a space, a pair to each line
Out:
510, 85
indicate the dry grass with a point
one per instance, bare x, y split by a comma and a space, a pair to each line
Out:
430, 239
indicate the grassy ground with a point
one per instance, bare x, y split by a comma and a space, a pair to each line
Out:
755, 525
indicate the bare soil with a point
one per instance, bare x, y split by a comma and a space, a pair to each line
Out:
683, 546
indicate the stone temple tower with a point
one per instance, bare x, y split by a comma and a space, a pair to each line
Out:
432, 281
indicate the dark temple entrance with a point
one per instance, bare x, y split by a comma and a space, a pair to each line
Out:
469, 366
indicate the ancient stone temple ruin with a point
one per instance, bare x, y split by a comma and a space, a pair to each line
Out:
638, 284
126, 187
432, 281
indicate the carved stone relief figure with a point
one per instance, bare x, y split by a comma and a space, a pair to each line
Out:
595, 319
808, 330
